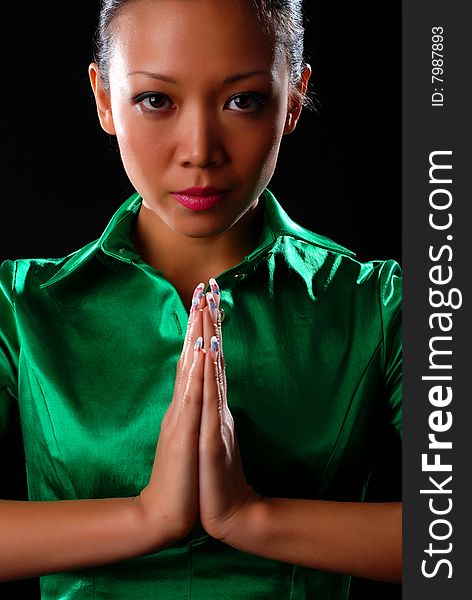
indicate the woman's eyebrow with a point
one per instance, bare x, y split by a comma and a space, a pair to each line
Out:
237, 77
230, 79
154, 76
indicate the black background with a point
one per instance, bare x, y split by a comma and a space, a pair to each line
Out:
339, 173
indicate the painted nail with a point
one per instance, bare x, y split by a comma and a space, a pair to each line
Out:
197, 296
198, 345
213, 307
214, 347
215, 289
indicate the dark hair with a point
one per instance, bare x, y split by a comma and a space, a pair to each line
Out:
282, 19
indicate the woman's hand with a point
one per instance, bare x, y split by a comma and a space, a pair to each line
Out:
224, 491
362, 539
170, 500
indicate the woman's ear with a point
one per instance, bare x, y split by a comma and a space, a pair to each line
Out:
295, 101
102, 99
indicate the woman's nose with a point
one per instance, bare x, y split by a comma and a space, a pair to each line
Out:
200, 143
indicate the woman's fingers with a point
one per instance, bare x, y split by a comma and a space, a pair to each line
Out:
214, 398
194, 330
189, 381
215, 326
222, 485
191, 395
215, 290
171, 496
221, 356
198, 303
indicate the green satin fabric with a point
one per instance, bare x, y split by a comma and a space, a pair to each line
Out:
88, 349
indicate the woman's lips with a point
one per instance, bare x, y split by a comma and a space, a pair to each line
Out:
200, 198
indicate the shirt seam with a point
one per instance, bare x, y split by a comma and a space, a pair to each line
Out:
382, 319
336, 250
290, 589
398, 427
13, 286
14, 310
53, 462
348, 409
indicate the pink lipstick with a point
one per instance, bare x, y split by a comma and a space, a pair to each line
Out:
200, 198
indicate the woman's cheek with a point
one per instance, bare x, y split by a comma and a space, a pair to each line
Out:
137, 141
139, 160
270, 143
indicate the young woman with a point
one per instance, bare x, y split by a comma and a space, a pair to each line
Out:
256, 487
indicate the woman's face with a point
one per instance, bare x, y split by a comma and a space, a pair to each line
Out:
198, 97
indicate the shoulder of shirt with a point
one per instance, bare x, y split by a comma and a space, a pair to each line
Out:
283, 225
48, 271
301, 237
45, 270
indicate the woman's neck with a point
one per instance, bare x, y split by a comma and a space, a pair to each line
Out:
185, 260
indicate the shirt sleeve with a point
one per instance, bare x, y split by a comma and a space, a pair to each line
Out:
9, 346
391, 313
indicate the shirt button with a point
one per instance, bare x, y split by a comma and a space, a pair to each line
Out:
222, 314
240, 275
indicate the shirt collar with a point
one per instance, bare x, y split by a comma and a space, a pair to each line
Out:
116, 240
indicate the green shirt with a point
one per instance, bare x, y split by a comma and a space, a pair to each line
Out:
88, 349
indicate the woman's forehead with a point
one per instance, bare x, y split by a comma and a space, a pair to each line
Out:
178, 35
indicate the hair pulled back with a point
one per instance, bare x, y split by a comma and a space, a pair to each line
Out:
281, 19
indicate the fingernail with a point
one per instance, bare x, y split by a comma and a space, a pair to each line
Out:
198, 345
214, 347
213, 307
215, 289
197, 296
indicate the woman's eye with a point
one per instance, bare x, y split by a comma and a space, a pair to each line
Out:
247, 102
154, 102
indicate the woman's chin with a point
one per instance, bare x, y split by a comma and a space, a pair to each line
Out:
200, 230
